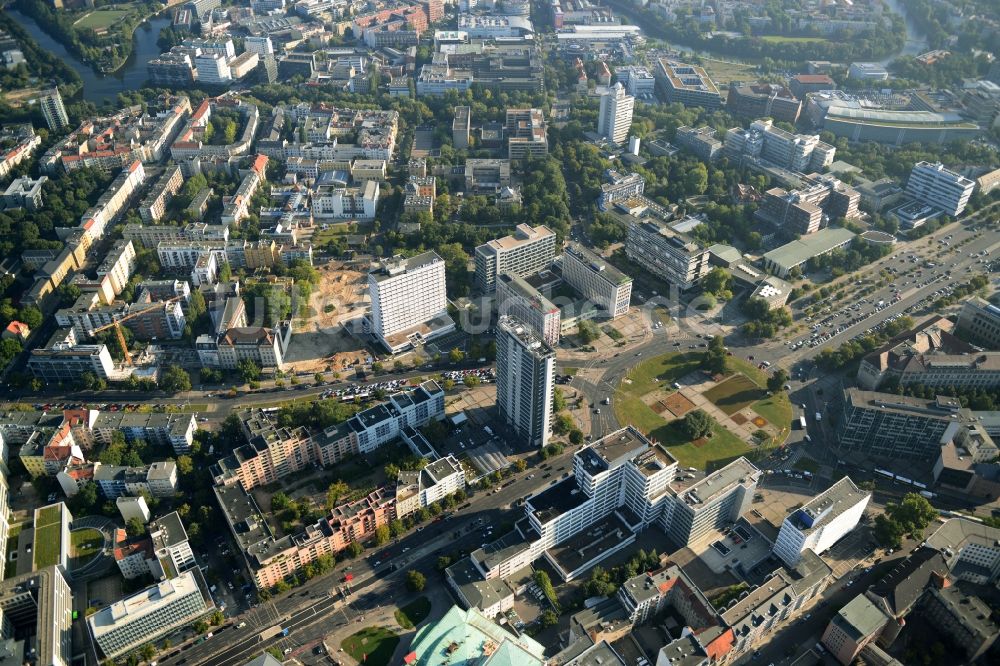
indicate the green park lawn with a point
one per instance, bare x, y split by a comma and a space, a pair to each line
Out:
100, 18
734, 394
413, 613
84, 544
372, 646
777, 409
720, 449
668, 368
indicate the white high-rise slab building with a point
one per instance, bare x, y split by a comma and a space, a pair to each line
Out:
53, 111
407, 295
942, 188
213, 69
822, 522
528, 251
615, 118
525, 379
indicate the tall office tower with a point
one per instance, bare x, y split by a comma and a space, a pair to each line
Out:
407, 294
525, 373
937, 186
527, 251
52, 108
615, 118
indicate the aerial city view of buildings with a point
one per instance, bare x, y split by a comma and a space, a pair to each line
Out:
480, 333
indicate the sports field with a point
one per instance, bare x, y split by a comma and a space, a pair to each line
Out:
100, 19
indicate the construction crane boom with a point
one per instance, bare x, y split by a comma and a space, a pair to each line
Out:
116, 324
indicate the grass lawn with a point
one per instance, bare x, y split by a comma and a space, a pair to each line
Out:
323, 236
777, 409
669, 368
372, 646
729, 71
720, 449
629, 408
100, 18
47, 544
48, 515
734, 394
780, 39
413, 613
734, 364
84, 544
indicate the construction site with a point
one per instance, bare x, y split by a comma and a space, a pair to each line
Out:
324, 340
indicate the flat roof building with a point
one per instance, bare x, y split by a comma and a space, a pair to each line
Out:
699, 512
37, 610
409, 301
687, 84
528, 251
935, 185
526, 132
614, 119
669, 254
150, 613
597, 280
979, 322
517, 298
525, 379
821, 522
460, 127
896, 426
782, 260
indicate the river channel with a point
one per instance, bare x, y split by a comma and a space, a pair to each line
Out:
99, 88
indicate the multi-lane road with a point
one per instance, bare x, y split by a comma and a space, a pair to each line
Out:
318, 608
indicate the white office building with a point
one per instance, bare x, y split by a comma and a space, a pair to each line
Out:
942, 188
149, 614
698, 513
525, 374
517, 298
409, 300
821, 522
528, 251
597, 280
171, 546
213, 69
615, 119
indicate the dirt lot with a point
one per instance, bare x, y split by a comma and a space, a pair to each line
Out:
320, 342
